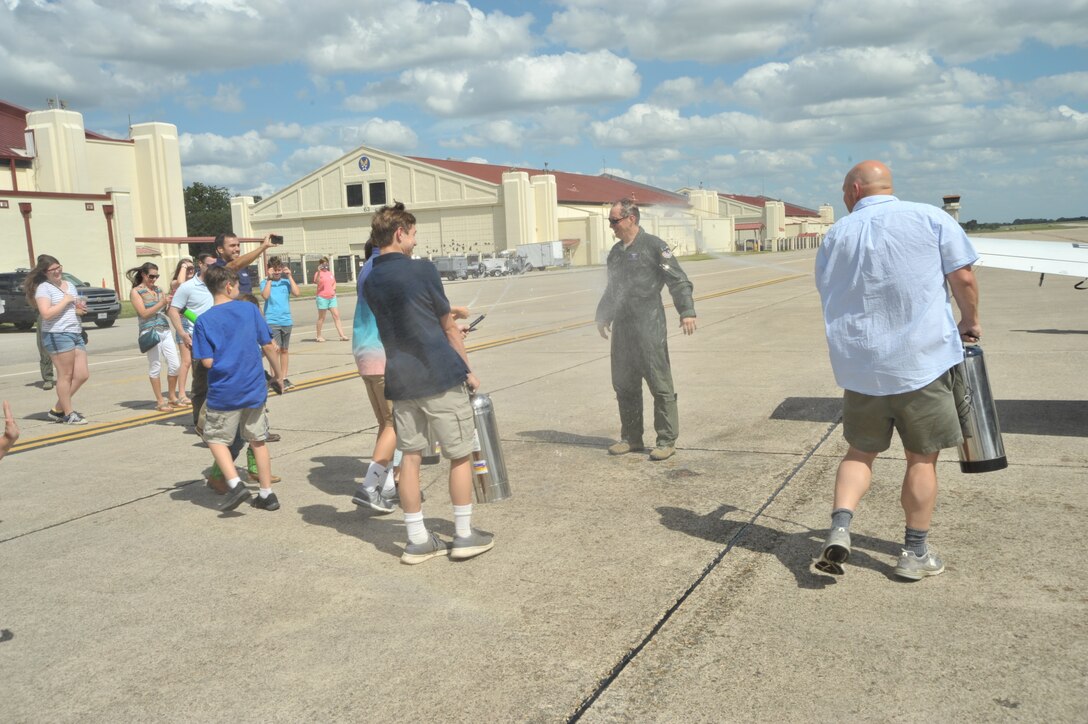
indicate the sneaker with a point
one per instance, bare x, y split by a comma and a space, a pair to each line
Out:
915, 567
73, 419
418, 552
472, 545
48, 385
54, 415
235, 497
254, 478
374, 500
269, 503
662, 452
288, 384
622, 447
273, 437
836, 551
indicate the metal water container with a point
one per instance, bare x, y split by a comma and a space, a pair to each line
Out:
489, 478
981, 450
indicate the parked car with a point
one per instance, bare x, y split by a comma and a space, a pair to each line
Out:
102, 305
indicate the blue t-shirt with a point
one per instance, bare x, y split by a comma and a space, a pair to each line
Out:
881, 276
277, 308
232, 334
245, 284
408, 302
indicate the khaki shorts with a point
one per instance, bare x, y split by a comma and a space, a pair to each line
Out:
375, 390
449, 417
926, 419
220, 426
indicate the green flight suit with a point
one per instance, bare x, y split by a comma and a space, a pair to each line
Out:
640, 351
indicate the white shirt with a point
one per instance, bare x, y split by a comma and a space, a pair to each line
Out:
881, 276
66, 321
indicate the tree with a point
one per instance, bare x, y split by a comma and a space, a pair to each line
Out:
207, 209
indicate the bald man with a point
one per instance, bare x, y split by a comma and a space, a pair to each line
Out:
894, 344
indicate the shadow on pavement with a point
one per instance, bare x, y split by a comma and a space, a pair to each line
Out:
384, 532
794, 550
567, 438
1058, 418
1051, 331
337, 474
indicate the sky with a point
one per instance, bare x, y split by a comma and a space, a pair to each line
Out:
983, 98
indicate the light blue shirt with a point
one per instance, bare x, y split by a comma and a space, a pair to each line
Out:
193, 295
881, 276
277, 308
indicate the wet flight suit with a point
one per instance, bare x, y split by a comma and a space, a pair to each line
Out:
632, 305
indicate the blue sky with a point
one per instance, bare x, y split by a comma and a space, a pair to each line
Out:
985, 98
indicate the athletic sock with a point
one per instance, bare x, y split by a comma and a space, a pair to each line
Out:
417, 531
390, 485
462, 520
264, 492
375, 472
841, 517
914, 540
233, 482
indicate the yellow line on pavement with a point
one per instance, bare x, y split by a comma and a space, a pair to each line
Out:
94, 430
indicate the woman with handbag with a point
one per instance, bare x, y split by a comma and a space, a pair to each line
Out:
60, 307
156, 339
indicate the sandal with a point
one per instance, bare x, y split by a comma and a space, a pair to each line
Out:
343, 339
182, 402
164, 407
320, 339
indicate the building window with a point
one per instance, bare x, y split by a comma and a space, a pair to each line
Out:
355, 194
377, 193
89, 206
3, 203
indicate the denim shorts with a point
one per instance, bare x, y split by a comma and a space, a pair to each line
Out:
61, 342
323, 303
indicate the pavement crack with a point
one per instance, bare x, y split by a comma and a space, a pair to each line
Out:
613, 674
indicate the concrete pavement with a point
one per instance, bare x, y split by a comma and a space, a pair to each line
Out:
618, 590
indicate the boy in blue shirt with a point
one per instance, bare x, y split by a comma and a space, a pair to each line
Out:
226, 341
277, 291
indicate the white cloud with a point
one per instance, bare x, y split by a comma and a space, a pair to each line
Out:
307, 160
681, 29
379, 133
202, 149
523, 82
1064, 85
284, 131
381, 36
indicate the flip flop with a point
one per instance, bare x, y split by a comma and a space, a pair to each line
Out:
320, 339
164, 407
343, 339
181, 402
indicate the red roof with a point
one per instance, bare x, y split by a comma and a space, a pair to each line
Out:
13, 131
761, 201
571, 188
748, 227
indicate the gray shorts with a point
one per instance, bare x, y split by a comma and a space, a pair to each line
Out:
449, 417
926, 419
220, 426
281, 335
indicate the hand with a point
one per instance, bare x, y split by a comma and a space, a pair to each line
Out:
970, 332
688, 325
604, 328
465, 329
187, 339
459, 312
472, 382
287, 271
267, 242
11, 430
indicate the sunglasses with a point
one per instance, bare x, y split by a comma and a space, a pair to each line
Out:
152, 276
613, 222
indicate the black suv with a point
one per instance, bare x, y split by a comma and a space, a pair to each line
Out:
102, 305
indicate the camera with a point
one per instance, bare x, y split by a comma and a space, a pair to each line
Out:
276, 238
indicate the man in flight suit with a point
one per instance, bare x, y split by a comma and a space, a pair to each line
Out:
638, 266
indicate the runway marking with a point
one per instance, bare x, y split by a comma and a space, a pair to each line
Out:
94, 430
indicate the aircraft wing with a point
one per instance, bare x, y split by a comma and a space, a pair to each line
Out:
1042, 257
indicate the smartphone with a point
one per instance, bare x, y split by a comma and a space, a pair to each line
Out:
476, 321
276, 238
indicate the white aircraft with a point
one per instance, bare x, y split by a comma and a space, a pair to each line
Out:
1069, 258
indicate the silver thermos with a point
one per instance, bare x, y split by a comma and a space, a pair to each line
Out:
489, 478
981, 450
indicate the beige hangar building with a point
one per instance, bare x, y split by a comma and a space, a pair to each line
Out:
83, 197
465, 208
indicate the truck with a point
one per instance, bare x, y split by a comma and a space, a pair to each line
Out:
542, 255
451, 267
102, 305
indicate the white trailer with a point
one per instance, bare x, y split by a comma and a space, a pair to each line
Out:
542, 255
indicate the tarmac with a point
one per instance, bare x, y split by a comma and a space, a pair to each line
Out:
619, 589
